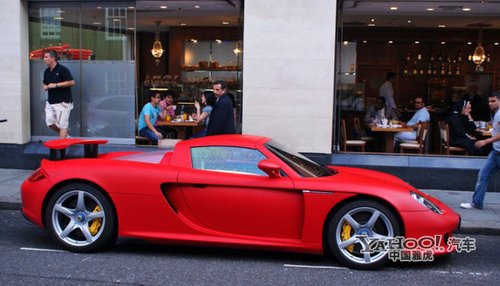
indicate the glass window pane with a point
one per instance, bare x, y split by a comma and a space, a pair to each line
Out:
227, 159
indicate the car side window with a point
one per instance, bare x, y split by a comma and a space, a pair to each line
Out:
227, 159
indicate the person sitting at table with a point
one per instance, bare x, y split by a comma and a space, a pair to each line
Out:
203, 115
167, 111
149, 114
461, 126
421, 115
375, 113
166, 105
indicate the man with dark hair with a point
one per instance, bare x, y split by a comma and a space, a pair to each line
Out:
57, 80
387, 91
222, 116
149, 114
493, 161
374, 114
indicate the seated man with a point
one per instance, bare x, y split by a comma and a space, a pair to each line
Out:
421, 115
375, 113
149, 114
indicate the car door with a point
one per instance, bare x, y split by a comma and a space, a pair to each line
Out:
227, 193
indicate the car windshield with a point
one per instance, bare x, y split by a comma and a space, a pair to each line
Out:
299, 163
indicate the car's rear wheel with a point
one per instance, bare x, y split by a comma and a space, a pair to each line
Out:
81, 218
354, 230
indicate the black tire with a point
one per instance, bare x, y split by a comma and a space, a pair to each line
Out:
341, 237
81, 218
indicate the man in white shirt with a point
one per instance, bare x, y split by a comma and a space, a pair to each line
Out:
421, 115
387, 92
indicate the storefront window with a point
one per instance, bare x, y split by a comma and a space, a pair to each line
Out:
422, 54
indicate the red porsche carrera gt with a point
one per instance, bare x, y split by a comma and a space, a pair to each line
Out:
231, 190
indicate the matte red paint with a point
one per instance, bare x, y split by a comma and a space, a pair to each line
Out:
214, 208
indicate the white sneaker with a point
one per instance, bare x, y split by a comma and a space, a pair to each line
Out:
468, 206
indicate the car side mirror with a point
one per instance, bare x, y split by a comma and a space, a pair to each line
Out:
271, 168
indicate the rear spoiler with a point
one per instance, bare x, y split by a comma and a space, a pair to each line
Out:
91, 146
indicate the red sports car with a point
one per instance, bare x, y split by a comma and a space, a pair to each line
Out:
232, 190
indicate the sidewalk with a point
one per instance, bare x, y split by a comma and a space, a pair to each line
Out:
486, 221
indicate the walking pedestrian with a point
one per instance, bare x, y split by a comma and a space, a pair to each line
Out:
492, 162
57, 80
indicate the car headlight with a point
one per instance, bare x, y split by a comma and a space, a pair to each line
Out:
426, 203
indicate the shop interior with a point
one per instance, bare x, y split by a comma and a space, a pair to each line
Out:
437, 49
120, 52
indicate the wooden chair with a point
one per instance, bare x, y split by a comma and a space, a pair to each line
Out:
444, 131
350, 143
419, 144
358, 130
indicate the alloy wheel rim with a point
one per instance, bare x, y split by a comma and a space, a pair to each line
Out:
368, 222
72, 216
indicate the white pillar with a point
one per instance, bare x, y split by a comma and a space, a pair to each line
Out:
288, 79
14, 74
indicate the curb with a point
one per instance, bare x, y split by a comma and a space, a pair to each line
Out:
478, 231
10, 206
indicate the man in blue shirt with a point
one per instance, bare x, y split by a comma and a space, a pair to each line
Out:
492, 162
147, 118
421, 115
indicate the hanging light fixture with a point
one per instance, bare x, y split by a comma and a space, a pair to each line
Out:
479, 55
157, 50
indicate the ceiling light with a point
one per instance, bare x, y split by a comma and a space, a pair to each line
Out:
218, 41
393, 8
466, 9
365, 41
157, 50
430, 9
372, 20
225, 23
371, 25
441, 26
496, 44
443, 43
130, 28
197, 7
417, 42
469, 43
131, 7
390, 42
99, 7
479, 55
183, 24
409, 21
194, 40
163, 7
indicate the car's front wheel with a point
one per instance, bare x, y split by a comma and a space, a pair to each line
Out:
356, 230
81, 218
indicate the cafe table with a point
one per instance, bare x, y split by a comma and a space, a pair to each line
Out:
388, 132
183, 127
484, 132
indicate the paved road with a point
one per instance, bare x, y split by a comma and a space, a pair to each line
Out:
29, 256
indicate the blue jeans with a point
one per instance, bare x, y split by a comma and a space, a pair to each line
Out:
492, 165
145, 132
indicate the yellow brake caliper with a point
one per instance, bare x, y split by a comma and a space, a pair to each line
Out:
346, 234
96, 223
